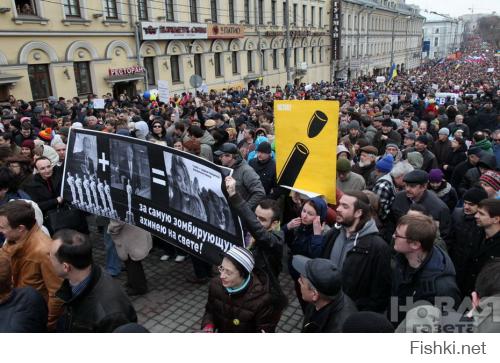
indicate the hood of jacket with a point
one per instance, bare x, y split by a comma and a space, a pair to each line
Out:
488, 160
321, 206
207, 138
438, 264
484, 144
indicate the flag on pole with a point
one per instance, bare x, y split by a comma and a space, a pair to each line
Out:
393, 72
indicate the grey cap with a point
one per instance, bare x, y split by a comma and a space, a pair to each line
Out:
416, 177
321, 273
411, 136
227, 148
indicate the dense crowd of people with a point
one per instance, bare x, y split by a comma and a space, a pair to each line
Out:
415, 229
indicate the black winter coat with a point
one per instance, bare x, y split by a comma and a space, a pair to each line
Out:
454, 158
101, 307
266, 172
268, 248
393, 137
330, 318
458, 175
442, 150
366, 273
489, 249
465, 240
24, 311
39, 190
248, 311
435, 277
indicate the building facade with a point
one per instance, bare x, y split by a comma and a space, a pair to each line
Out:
80, 47
443, 35
374, 34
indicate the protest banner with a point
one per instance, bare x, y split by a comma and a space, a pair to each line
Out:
441, 97
306, 139
163, 91
98, 103
172, 194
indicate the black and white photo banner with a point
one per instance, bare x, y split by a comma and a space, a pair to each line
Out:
174, 195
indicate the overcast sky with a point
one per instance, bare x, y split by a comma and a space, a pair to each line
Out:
457, 7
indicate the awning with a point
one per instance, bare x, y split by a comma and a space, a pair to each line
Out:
6, 78
125, 78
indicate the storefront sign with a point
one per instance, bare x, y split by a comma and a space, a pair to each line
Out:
156, 31
217, 31
125, 71
336, 33
295, 33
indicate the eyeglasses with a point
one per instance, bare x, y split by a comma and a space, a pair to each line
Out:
398, 236
156, 126
496, 140
223, 270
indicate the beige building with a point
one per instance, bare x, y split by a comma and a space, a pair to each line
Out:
78, 47
376, 33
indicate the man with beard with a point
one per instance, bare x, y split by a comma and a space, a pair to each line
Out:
355, 247
265, 167
366, 165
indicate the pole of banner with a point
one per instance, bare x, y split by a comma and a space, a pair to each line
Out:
287, 56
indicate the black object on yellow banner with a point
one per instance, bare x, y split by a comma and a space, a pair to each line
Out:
306, 139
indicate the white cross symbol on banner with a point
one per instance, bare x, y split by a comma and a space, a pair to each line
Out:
104, 162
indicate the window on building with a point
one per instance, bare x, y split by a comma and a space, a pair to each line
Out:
295, 7
39, 81
193, 9
296, 56
250, 61
231, 12
26, 7
437, 30
304, 15
313, 55
197, 65
72, 8
213, 11
142, 9
217, 64
273, 12
150, 70
320, 17
313, 11
169, 10
261, 12
304, 54
111, 10
82, 78
285, 14
247, 11
436, 41
174, 68
320, 52
234, 62
349, 25
275, 58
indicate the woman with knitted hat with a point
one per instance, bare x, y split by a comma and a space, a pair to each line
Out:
442, 188
239, 300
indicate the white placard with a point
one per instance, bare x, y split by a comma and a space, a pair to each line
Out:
203, 88
163, 91
308, 87
490, 70
435, 86
98, 103
380, 79
394, 99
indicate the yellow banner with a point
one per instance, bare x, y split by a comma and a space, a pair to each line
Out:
306, 144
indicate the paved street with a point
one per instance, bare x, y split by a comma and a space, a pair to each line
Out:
173, 305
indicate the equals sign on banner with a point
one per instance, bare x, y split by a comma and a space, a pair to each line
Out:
159, 173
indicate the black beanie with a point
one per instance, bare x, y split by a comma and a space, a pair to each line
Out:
367, 322
475, 195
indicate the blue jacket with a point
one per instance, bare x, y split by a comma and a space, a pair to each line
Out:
496, 151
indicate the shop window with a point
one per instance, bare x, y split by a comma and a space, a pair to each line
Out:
111, 9
39, 81
72, 8
197, 65
26, 7
217, 64
174, 68
82, 78
150, 70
